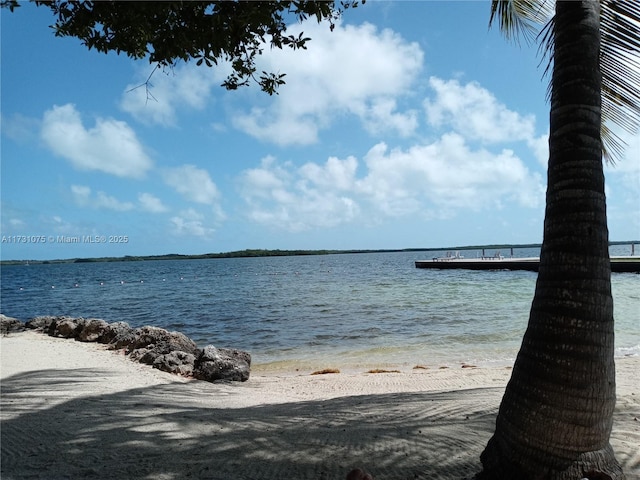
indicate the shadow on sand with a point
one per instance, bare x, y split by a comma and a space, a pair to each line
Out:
172, 432
169, 432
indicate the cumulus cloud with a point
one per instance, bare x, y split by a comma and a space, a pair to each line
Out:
449, 175
381, 115
334, 174
474, 112
540, 148
193, 183
190, 223
356, 70
111, 146
432, 180
151, 203
298, 199
83, 197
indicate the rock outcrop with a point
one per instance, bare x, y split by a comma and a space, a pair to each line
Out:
10, 324
178, 362
161, 340
94, 330
119, 335
66, 327
41, 323
171, 352
222, 364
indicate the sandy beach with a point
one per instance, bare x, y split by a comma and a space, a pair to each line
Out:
74, 410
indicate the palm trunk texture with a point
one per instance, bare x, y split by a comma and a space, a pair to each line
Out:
556, 415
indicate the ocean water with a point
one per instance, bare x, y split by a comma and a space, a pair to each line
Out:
344, 310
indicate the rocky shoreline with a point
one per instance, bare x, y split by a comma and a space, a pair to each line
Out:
171, 352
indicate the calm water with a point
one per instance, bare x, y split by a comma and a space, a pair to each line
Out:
332, 310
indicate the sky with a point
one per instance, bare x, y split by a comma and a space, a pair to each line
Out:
411, 125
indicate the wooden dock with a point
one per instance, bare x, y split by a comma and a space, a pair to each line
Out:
618, 264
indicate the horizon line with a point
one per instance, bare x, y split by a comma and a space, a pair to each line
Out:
262, 252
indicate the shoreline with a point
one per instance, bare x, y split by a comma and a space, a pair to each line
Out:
76, 410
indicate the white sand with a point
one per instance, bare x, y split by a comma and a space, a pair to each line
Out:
75, 410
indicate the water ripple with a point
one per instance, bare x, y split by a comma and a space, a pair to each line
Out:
282, 308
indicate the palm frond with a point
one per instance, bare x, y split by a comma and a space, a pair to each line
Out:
619, 57
620, 67
520, 18
546, 46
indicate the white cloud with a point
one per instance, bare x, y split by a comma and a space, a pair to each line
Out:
168, 91
300, 199
263, 181
334, 174
623, 178
474, 112
106, 201
110, 146
355, 70
446, 175
540, 148
151, 203
284, 130
190, 223
83, 197
381, 116
193, 183
432, 180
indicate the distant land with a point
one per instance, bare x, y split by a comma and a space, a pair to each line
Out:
274, 253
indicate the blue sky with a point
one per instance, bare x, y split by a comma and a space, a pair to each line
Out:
410, 125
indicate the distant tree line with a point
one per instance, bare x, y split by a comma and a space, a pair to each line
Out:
260, 252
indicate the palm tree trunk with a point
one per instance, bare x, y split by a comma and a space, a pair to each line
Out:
556, 415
